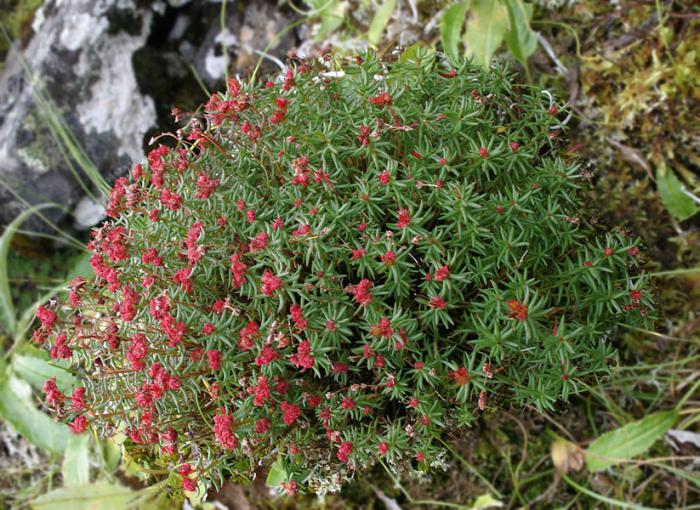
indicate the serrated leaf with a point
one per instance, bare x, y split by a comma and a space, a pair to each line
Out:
680, 205
380, 21
486, 26
76, 461
520, 38
277, 474
94, 496
35, 367
451, 25
17, 408
629, 441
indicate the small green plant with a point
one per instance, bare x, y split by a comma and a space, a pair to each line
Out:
336, 268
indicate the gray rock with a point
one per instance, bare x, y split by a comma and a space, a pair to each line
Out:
80, 63
112, 70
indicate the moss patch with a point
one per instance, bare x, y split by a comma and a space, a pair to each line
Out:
16, 18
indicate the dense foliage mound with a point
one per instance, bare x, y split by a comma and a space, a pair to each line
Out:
336, 268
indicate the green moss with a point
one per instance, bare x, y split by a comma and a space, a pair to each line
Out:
16, 18
34, 267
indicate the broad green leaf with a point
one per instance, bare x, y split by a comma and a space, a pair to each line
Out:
35, 367
18, 409
331, 14
8, 316
76, 461
486, 26
520, 38
486, 501
110, 453
380, 20
451, 25
680, 205
277, 474
93, 496
629, 441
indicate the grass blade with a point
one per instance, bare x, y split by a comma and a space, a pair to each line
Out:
8, 315
604, 499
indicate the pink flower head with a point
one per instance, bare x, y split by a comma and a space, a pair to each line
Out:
358, 253
238, 268
46, 316
79, 424
438, 303
518, 310
262, 392
304, 357
404, 218
262, 426
302, 230
381, 99
78, 399
53, 395
245, 341
259, 242
289, 488
460, 376
389, 258
270, 283
442, 273
344, 451
214, 358
267, 356
290, 412
223, 430
384, 178
361, 292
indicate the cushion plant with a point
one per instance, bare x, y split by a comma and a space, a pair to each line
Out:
339, 267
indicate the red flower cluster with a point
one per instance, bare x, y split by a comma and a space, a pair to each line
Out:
270, 283
223, 430
344, 451
290, 412
303, 357
361, 291
517, 310
404, 218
